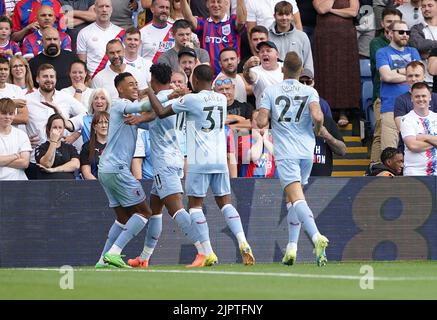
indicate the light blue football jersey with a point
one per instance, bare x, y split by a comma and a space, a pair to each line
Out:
122, 138
292, 126
164, 139
205, 121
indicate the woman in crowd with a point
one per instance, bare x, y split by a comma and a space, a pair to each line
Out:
79, 77
93, 149
55, 158
20, 74
99, 101
336, 60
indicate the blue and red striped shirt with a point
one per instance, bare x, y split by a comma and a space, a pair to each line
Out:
32, 45
25, 13
216, 36
11, 45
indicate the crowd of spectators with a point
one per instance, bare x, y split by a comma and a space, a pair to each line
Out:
58, 60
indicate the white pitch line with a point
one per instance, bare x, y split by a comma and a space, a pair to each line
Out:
234, 273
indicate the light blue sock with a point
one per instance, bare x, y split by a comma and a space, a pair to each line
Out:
293, 224
154, 228
232, 219
133, 226
305, 216
198, 220
183, 220
113, 234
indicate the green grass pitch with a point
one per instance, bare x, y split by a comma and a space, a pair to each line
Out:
392, 280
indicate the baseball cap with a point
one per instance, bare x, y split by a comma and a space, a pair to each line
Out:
187, 50
267, 43
307, 73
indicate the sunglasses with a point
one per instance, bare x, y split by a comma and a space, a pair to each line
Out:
402, 32
307, 82
220, 82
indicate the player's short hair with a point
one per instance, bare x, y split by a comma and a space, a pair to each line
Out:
283, 7
133, 30
161, 72
226, 50
259, 29
293, 64
7, 20
391, 11
180, 24
203, 72
388, 153
120, 77
7, 105
4, 60
44, 67
420, 85
53, 117
415, 64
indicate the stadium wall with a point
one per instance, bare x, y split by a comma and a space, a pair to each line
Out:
55, 223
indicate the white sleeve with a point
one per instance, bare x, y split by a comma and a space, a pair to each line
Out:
76, 108
407, 127
295, 7
24, 142
77, 122
140, 148
251, 10
81, 47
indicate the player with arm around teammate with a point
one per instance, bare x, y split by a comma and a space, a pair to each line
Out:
124, 192
168, 164
207, 163
294, 108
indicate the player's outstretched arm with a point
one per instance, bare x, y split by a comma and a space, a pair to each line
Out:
160, 111
317, 116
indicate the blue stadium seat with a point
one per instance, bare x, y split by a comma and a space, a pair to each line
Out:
365, 68
367, 92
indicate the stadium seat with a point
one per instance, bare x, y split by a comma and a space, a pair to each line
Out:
367, 93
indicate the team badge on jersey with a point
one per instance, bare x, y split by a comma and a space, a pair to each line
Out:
226, 29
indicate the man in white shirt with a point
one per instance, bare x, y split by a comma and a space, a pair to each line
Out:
419, 131
157, 37
260, 13
38, 104
105, 78
92, 40
263, 70
229, 61
132, 43
14, 144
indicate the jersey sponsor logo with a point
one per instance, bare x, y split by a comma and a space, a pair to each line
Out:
216, 40
226, 29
